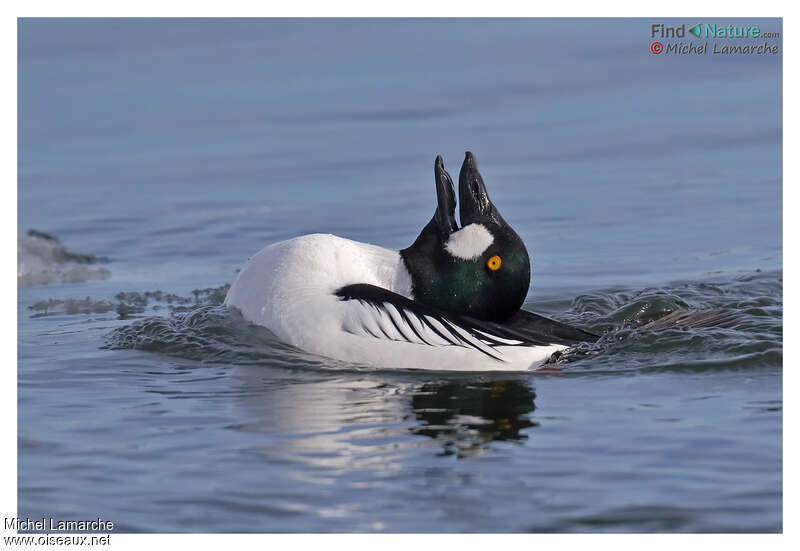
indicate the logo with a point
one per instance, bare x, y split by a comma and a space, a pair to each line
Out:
711, 38
667, 32
711, 30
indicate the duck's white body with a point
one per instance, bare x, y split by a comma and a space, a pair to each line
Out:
289, 288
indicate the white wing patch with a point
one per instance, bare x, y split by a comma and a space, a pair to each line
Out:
388, 321
499, 339
469, 242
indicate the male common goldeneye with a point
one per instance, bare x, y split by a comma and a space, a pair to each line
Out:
450, 301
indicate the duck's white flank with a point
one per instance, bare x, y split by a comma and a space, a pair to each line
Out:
469, 242
289, 288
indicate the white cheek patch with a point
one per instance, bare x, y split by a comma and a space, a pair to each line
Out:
469, 242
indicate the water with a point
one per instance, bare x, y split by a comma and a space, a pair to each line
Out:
177, 149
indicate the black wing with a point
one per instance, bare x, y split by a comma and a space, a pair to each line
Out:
393, 316
527, 325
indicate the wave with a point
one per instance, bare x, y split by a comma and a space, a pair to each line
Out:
42, 259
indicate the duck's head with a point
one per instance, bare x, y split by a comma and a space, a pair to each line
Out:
480, 270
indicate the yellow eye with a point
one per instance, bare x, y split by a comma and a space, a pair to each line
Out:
494, 263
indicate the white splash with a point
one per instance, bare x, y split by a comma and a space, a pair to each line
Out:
469, 242
42, 259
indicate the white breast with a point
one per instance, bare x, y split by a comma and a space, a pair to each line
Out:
288, 287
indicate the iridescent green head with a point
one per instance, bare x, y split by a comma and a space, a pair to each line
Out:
480, 270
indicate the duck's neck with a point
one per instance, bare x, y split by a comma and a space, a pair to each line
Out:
416, 259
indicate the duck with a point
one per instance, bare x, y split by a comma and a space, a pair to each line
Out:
451, 301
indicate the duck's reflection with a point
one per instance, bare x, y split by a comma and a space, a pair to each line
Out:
347, 419
466, 417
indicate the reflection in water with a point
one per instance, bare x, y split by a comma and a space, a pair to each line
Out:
346, 421
466, 417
